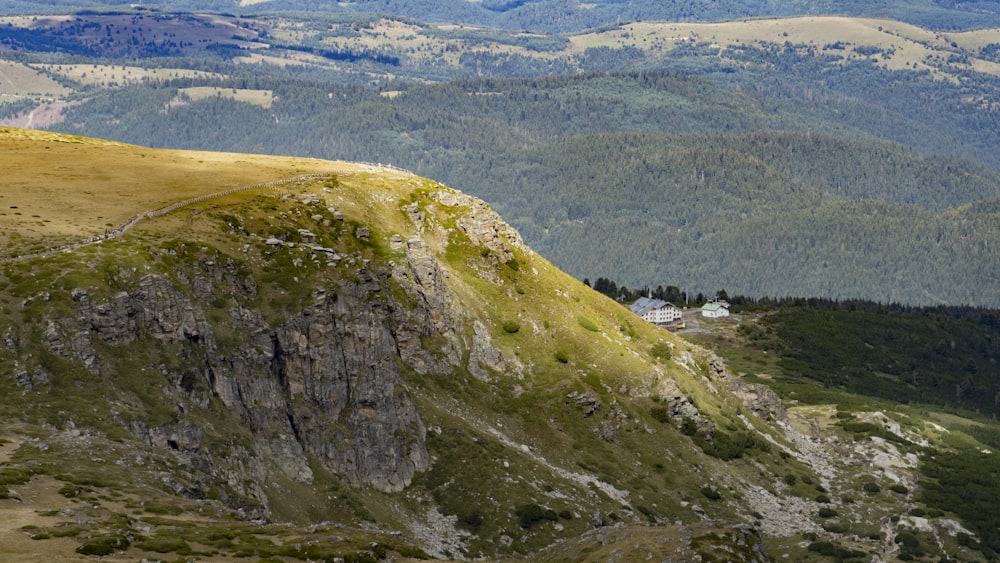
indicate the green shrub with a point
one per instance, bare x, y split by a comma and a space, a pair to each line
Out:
836, 527
530, 514
728, 446
561, 356
689, 427
711, 493
827, 512
907, 540
587, 324
661, 351
830, 549
511, 327
790, 479
871, 488
165, 545
471, 519
823, 548
103, 545
70, 490
660, 414
897, 488
822, 499
647, 512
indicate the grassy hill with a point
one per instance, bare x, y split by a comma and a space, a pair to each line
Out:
166, 406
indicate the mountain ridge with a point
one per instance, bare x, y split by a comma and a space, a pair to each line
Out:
347, 367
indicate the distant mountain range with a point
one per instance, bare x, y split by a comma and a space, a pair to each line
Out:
572, 15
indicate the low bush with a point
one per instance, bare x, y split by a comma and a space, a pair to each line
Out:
530, 514
103, 545
661, 351
711, 493
660, 414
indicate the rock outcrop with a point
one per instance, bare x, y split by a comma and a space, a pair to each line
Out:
325, 384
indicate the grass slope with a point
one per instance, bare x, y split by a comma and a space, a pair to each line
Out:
522, 461
60, 188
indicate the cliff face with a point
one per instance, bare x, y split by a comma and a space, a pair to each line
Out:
317, 387
322, 386
325, 383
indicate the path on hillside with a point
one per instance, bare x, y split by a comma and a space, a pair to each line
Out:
135, 220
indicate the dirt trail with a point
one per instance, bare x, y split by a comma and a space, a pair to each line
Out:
145, 215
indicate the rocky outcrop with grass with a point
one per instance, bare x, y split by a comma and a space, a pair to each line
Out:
324, 383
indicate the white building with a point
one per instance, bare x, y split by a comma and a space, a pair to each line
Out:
715, 309
656, 311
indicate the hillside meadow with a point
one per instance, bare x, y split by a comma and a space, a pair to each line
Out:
51, 194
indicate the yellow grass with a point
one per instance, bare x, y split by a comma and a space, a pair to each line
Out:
121, 75
18, 80
912, 45
63, 188
263, 98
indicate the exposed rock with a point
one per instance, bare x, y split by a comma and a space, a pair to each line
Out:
484, 354
612, 423
328, 377
343, 401
424, 278
680, 408
363, 233
759, 399
484, 226
416, 215
588, 403
31, 380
